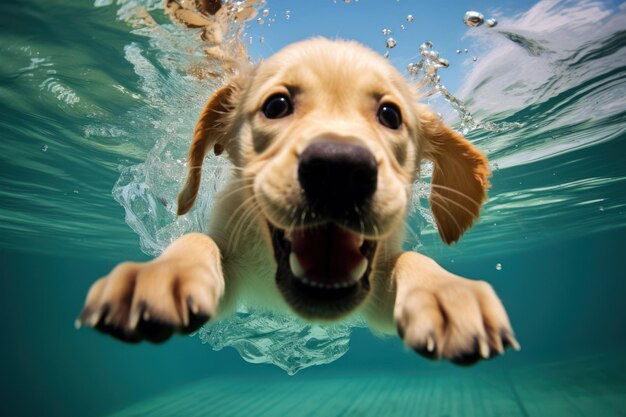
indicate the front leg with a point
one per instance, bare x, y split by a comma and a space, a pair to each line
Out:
441, 315
176, 292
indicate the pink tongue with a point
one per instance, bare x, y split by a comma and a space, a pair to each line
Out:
327, 253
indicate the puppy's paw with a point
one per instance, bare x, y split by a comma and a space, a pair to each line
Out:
153, 300
458, 319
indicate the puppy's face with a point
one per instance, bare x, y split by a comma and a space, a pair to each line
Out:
330, 151
328, 139
331, 137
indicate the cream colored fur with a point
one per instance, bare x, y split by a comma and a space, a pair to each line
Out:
337, 87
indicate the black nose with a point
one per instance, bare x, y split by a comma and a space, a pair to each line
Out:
337, 176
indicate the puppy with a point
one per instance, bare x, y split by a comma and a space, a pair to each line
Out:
326, 140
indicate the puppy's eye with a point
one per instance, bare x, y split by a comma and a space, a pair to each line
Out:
389, 116
277, 106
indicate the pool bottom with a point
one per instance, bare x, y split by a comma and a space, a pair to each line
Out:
592, 386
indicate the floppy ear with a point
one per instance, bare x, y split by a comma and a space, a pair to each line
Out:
210, 132
459, 180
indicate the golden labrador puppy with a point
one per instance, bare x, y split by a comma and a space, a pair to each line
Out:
326, 139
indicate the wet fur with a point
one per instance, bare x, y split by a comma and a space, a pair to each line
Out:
337, 87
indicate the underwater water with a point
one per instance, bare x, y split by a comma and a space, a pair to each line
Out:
97, 106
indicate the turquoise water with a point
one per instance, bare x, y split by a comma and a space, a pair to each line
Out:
91, 101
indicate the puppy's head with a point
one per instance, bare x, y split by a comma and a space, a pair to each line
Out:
328, 139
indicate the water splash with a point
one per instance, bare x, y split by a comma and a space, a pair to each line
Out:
283, 340
426, 72
568, 89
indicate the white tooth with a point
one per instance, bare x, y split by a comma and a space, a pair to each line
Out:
359, 270
294, 264
361, 241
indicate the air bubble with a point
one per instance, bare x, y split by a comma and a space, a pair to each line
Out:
287, 14
473, 19
491, 22
458, 51
499, 266
409, 18
260, 21
428, 67
474, 59
402, 27
465, 50
387, 32
266, 12
44, 148
414, 68
391, 43
432, 55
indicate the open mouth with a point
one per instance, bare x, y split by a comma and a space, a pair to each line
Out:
323, 270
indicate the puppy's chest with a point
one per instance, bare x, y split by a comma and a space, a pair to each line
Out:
250, 275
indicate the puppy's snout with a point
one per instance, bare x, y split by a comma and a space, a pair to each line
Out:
337, 175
